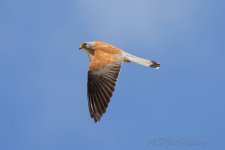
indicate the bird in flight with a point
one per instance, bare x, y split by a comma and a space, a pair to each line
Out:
105, 64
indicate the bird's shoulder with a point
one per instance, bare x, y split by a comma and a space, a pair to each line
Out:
103, 58
108, 49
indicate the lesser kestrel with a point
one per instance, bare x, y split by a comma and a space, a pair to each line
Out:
105, 63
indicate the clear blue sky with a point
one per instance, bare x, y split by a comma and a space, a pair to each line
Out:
43, 103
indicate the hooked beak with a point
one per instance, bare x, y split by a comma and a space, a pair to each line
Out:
80, 47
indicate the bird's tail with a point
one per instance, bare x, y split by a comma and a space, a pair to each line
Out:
141, 61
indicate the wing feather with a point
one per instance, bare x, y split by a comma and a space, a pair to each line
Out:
101, 83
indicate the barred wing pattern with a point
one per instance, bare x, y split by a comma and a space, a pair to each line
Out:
101, 85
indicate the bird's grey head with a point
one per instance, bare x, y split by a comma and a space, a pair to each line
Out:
87, 45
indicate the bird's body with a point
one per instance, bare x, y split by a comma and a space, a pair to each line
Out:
106, 61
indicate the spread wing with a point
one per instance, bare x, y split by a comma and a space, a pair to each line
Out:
102, 76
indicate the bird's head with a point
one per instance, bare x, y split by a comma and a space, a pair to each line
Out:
87, 46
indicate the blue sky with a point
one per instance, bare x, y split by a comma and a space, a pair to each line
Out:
43, 103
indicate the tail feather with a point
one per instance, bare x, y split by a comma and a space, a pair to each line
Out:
141, 61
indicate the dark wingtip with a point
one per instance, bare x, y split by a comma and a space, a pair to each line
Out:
96, 118
155, 65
